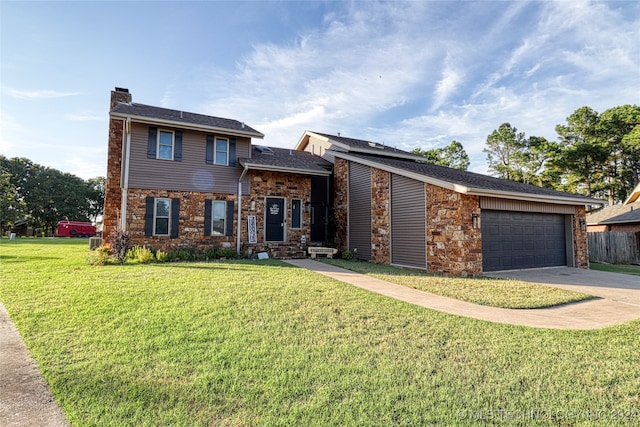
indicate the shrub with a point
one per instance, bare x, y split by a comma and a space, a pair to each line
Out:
120, 243
212, 252
141, 254
99, 257
348, 255
227, 253
185, 254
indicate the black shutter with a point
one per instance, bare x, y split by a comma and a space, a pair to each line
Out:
209, 149
152, 142
175, 216
229, 230
232, 152
177, 149
207, 217
148, 217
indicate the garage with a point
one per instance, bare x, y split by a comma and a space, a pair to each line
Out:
515, 240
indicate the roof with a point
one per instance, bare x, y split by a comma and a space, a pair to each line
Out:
468, 182
286, 160
616, 214
341, 143
159, 115
635, 195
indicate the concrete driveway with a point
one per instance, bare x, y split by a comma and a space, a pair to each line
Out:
623, 288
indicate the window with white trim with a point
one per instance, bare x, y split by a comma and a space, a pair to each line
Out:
162, 217
221, 151
296, 213
218, 218
165, 144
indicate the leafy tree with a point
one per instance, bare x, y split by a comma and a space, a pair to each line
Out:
12, 208
95, 196
505, 147
583, 153
453, 155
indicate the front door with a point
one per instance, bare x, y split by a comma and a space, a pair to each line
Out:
274, 221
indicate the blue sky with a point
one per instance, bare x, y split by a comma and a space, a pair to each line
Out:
409, 74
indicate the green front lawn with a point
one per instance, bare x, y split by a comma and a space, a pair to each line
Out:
481, 290
238, 343
616, 268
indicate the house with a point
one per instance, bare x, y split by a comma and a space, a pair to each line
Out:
179, 179
392, 207
622, 218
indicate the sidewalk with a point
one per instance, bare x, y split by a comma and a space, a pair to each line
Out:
591, 314
25, 398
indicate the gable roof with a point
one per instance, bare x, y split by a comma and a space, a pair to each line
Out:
468, 182
165, 116
616, 214
286, 160
635, 195
352, 145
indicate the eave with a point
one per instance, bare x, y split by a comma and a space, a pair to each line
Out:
284, 169
186, 125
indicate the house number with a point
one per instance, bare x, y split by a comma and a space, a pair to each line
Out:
274, 209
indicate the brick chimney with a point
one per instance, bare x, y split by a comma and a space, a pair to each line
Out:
113, 190
120, 95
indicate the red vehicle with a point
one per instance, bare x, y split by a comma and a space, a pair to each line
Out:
75, 229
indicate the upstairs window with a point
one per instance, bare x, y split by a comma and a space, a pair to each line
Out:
222, 152
165, 145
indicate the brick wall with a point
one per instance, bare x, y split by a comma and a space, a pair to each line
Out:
581, 246
380, 216
454, 247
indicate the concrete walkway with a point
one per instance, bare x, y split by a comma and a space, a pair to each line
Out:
25, 398
592, 314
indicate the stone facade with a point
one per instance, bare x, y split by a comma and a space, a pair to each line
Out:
454, 246
341, 205
580, 243
380, 216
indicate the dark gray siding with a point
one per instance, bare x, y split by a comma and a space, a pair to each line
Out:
360, 210
408, 223
514, 240
190, 174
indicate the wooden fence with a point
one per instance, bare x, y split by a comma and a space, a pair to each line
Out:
614, 247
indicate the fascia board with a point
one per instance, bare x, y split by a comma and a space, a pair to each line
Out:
183, 125
474, 191
254, 166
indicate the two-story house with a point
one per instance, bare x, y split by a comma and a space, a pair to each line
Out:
176, 179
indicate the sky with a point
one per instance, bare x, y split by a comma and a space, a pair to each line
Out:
407, 74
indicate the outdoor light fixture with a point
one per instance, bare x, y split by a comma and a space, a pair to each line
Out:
583, 224
475, 220
253, 205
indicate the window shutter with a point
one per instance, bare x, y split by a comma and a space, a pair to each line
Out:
229, 230
207, 217
152, 142
209, 149
175, 216
148, 217
177, 149
232, 152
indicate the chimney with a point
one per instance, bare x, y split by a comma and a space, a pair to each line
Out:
119, 95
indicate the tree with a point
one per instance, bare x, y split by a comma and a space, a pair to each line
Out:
505, 152
95, 196
583, 153
12, 208
453, 155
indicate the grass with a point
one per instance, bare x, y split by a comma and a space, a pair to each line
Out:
242, 343
616, 268
483, 290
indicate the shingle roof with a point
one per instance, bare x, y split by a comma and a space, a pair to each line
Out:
287, 160
362, 144
166, 114
470, 180
616, 214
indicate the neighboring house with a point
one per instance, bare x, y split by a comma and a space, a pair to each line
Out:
624, 217
178, 179
392, 207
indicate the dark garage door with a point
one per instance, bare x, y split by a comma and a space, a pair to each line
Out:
513, 240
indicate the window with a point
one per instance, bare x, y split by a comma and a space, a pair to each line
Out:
161, 217
218, 218
296, 213
222, 151
165, 145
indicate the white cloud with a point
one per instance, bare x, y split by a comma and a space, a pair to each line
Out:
39, 94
